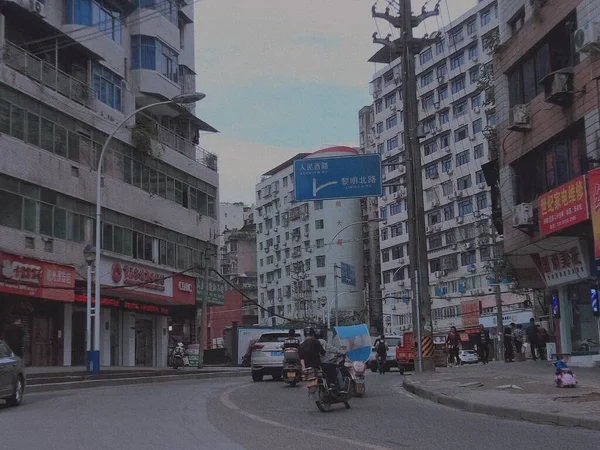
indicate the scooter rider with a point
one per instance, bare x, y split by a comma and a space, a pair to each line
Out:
310, 350
291, 341
331, 361
381, 348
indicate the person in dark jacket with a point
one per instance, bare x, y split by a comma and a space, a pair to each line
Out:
532, 337
509, 355
311, 350
483, 344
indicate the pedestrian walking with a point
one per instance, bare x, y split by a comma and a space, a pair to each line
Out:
532, 337
518, 336
453, 344
483, 344
509, 355
543, 338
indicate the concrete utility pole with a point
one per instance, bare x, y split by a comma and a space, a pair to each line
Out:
498, 296
417, 246
204, 316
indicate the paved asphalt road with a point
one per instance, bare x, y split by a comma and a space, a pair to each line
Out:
237, 414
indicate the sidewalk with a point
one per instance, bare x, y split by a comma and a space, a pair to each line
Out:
532, 397
46, 379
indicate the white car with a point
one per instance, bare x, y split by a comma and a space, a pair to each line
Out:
267, 355
468, 357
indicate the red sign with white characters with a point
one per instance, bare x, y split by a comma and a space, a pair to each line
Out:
34, 278
185, 290
146, 283
564, 206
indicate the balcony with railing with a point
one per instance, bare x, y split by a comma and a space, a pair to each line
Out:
186, 147
48, 75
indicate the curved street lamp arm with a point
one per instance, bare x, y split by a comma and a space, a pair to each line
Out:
99, 212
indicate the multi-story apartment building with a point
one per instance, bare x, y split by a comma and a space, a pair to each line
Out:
300, 243
70, 72
370, 212
455, 115
547, 72
238, 265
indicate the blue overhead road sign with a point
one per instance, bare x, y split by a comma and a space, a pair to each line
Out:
348, 274
337, 177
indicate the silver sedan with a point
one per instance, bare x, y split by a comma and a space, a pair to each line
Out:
12, 376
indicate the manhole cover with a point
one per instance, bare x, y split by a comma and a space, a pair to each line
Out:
591, 397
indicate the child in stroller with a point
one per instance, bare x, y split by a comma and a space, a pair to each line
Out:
564, 375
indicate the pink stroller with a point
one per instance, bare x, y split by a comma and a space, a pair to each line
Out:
564, 376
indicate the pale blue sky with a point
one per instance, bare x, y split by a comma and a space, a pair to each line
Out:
284, 77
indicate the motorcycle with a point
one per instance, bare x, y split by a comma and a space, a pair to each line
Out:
356, 372
178, 356
322, 392
292, 368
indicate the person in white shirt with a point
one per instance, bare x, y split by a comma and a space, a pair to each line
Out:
331, 360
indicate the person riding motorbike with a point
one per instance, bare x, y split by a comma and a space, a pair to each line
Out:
291, 341
311, 350
331, 361
381, 350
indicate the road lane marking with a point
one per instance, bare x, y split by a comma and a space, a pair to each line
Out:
225, 398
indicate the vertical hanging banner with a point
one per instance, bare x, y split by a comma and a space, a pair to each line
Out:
594, 190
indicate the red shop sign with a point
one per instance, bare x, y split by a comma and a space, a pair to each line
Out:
564, 206
184, 290
34, 278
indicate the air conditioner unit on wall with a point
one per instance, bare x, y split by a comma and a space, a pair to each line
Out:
587, 38
559, 87
38, 8
519, 118
523, 215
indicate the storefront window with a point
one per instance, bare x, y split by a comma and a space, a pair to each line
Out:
584, 325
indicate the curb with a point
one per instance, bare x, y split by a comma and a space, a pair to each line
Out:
501, 411
88, 384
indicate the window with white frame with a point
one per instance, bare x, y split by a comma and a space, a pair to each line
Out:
465, 207
464, 182
478, 151
461, 134
462, 158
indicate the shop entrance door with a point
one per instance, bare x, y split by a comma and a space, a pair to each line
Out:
43, 342
78, 338
143, 342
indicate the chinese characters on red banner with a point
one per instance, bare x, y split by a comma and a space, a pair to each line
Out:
564, 206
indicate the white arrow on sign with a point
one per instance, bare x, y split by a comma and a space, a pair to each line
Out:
318, 188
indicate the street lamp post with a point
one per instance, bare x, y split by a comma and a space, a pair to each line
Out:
89, 254
178, 99
323, 301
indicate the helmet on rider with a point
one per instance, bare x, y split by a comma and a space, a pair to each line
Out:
309, 332
292, 332
318, 334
